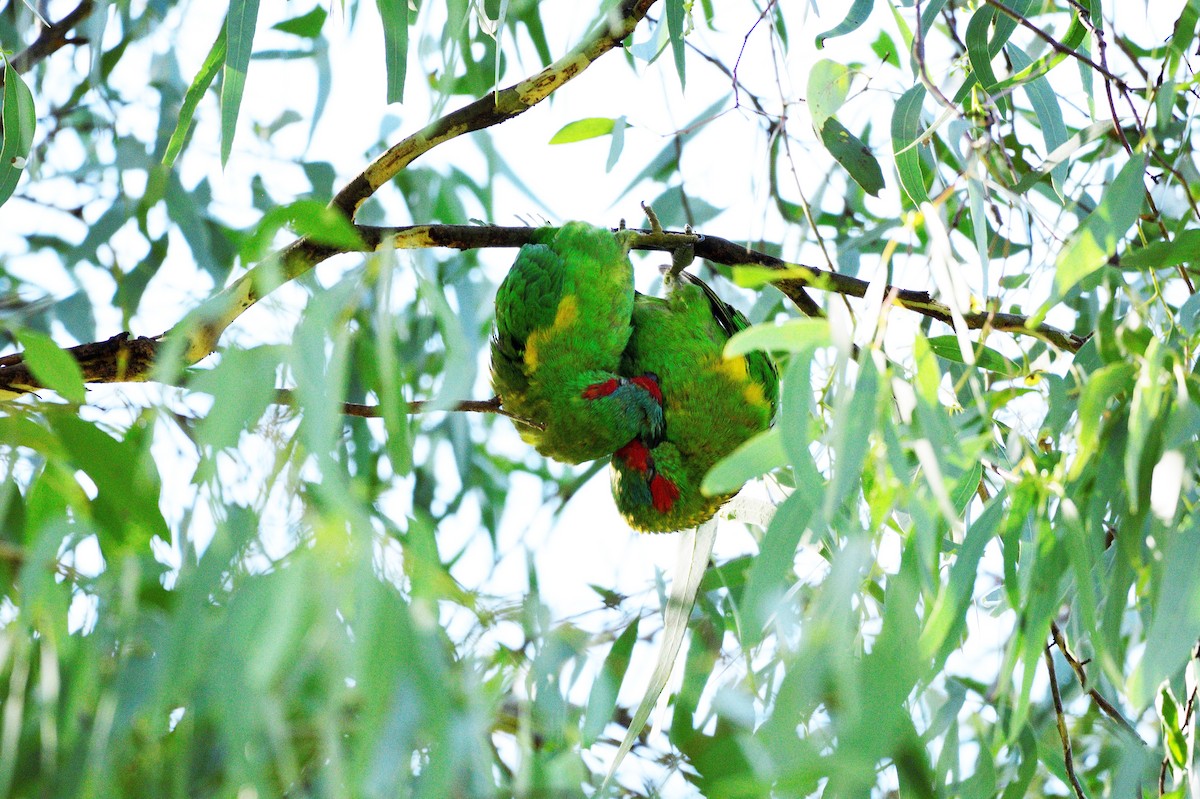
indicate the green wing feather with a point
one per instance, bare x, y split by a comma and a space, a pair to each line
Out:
562, 321
711, 404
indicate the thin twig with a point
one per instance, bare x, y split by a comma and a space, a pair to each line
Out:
1055, 45
1068, 758
287, 396
1106, 707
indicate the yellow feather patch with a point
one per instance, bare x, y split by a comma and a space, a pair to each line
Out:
568, 312
531, 350
753, 393
564, 316
734, 368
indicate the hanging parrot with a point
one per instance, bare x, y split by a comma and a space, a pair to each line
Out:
562, 322
712, 404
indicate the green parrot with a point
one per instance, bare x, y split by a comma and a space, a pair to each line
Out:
712, 404
562, 323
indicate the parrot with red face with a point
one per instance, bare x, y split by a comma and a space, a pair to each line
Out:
563, 321
712, 404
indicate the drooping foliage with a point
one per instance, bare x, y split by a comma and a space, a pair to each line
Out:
262, 533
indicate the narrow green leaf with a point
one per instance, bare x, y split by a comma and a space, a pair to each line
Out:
603, 698
307, 26
979, 49
324, 225
906, 129
946, 347
854, 19
790, 336
16, 137
1172, 727
52, 366
583, 129
853, 155
239, 31
1183, 249
676, 12
1096, 239
755, 457
394, 14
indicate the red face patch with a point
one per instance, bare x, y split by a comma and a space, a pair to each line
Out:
598, 390
635, 455
651, 386
663, 492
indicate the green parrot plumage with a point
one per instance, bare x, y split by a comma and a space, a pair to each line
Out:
712, 404
563, 320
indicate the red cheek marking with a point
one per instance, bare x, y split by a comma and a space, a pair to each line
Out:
598, 390
635, 455
651, 386
663, 492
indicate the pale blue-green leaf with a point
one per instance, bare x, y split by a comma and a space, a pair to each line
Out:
1175, 625
394, 14
906, 129
19, 121
850, 437
1097, 238
583, 129
239, 26
854, 156
51, 365
1188, 317
676, 11
1044, 101
790, 336
458, 371
603, 698
947, 618
854, 19
1061, 153
616, 144
828, 87
242, 386
695, 547
979, 223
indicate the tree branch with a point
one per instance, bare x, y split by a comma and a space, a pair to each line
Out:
493, 109
52, 38
123, 358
